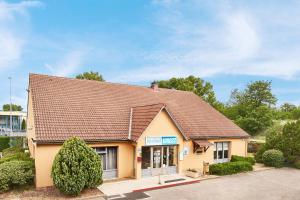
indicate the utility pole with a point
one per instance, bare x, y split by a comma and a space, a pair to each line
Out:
10, 107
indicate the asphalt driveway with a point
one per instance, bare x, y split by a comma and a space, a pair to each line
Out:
267, 185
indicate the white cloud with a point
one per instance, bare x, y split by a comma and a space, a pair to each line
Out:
68, 64
14, 19
234, 39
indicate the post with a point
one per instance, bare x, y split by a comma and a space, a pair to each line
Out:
10, 107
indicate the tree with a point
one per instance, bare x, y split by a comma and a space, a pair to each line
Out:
90, 76
14, 107
23, 125
286, 139
251, 108
287, 107
194, 84
75, 167
256, 94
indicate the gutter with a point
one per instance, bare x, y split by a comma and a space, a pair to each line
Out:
87, 141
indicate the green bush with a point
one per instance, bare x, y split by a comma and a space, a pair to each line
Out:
230, 168
4, 142
297, 164
15, 173
12, 151
75, 167
259, 153
235, 158
17, 156
273, 158
17, 141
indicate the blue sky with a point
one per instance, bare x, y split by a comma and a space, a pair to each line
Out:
228, 43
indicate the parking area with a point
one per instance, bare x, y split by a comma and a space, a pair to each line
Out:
270, 184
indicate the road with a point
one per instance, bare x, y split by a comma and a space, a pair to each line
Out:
267, 185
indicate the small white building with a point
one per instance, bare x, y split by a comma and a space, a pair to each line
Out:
17, 118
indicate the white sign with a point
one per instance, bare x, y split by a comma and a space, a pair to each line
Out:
164, 140
153, 140
181, 155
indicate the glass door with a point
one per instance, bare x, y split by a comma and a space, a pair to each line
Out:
157, 153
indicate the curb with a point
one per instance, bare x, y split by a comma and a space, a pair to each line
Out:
166, 186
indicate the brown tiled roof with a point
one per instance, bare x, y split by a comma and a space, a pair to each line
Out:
94, 110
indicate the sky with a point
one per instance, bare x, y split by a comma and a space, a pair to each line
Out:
229, 43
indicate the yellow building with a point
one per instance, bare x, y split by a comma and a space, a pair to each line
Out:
137, 131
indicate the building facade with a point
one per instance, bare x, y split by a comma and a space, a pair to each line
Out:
137, 131
17, 118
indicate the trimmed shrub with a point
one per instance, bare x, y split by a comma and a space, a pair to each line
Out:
17, 156
273, 158
4, 142
12, 151
75, 167
15, 173
230, 168
235, 158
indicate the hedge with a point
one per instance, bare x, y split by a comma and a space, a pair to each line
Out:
4, 142
273, 158
17, 156
12, 150
15, 173
230, 168
235, 158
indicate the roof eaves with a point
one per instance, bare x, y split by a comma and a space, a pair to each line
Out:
87, 141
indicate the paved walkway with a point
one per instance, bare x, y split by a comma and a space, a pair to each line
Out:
128, 186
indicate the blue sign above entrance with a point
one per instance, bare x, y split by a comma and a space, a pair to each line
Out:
164, 140
169, 140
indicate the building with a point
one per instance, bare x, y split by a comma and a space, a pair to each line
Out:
17, 118
138, 131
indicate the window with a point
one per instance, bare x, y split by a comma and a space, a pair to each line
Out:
108, 157
221, 152
146, 157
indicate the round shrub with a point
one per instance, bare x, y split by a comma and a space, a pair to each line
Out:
75, 167
273, 158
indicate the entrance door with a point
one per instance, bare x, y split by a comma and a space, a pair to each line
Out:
159, 160
157, 153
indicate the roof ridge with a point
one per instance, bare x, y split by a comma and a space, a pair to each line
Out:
105, 82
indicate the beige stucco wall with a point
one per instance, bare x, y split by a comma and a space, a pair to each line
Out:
195, 161
161, 125
30, 132
45, 154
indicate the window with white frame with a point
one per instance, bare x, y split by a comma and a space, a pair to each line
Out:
108, 157
221, 152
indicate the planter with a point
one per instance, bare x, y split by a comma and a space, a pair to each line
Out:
192, 174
